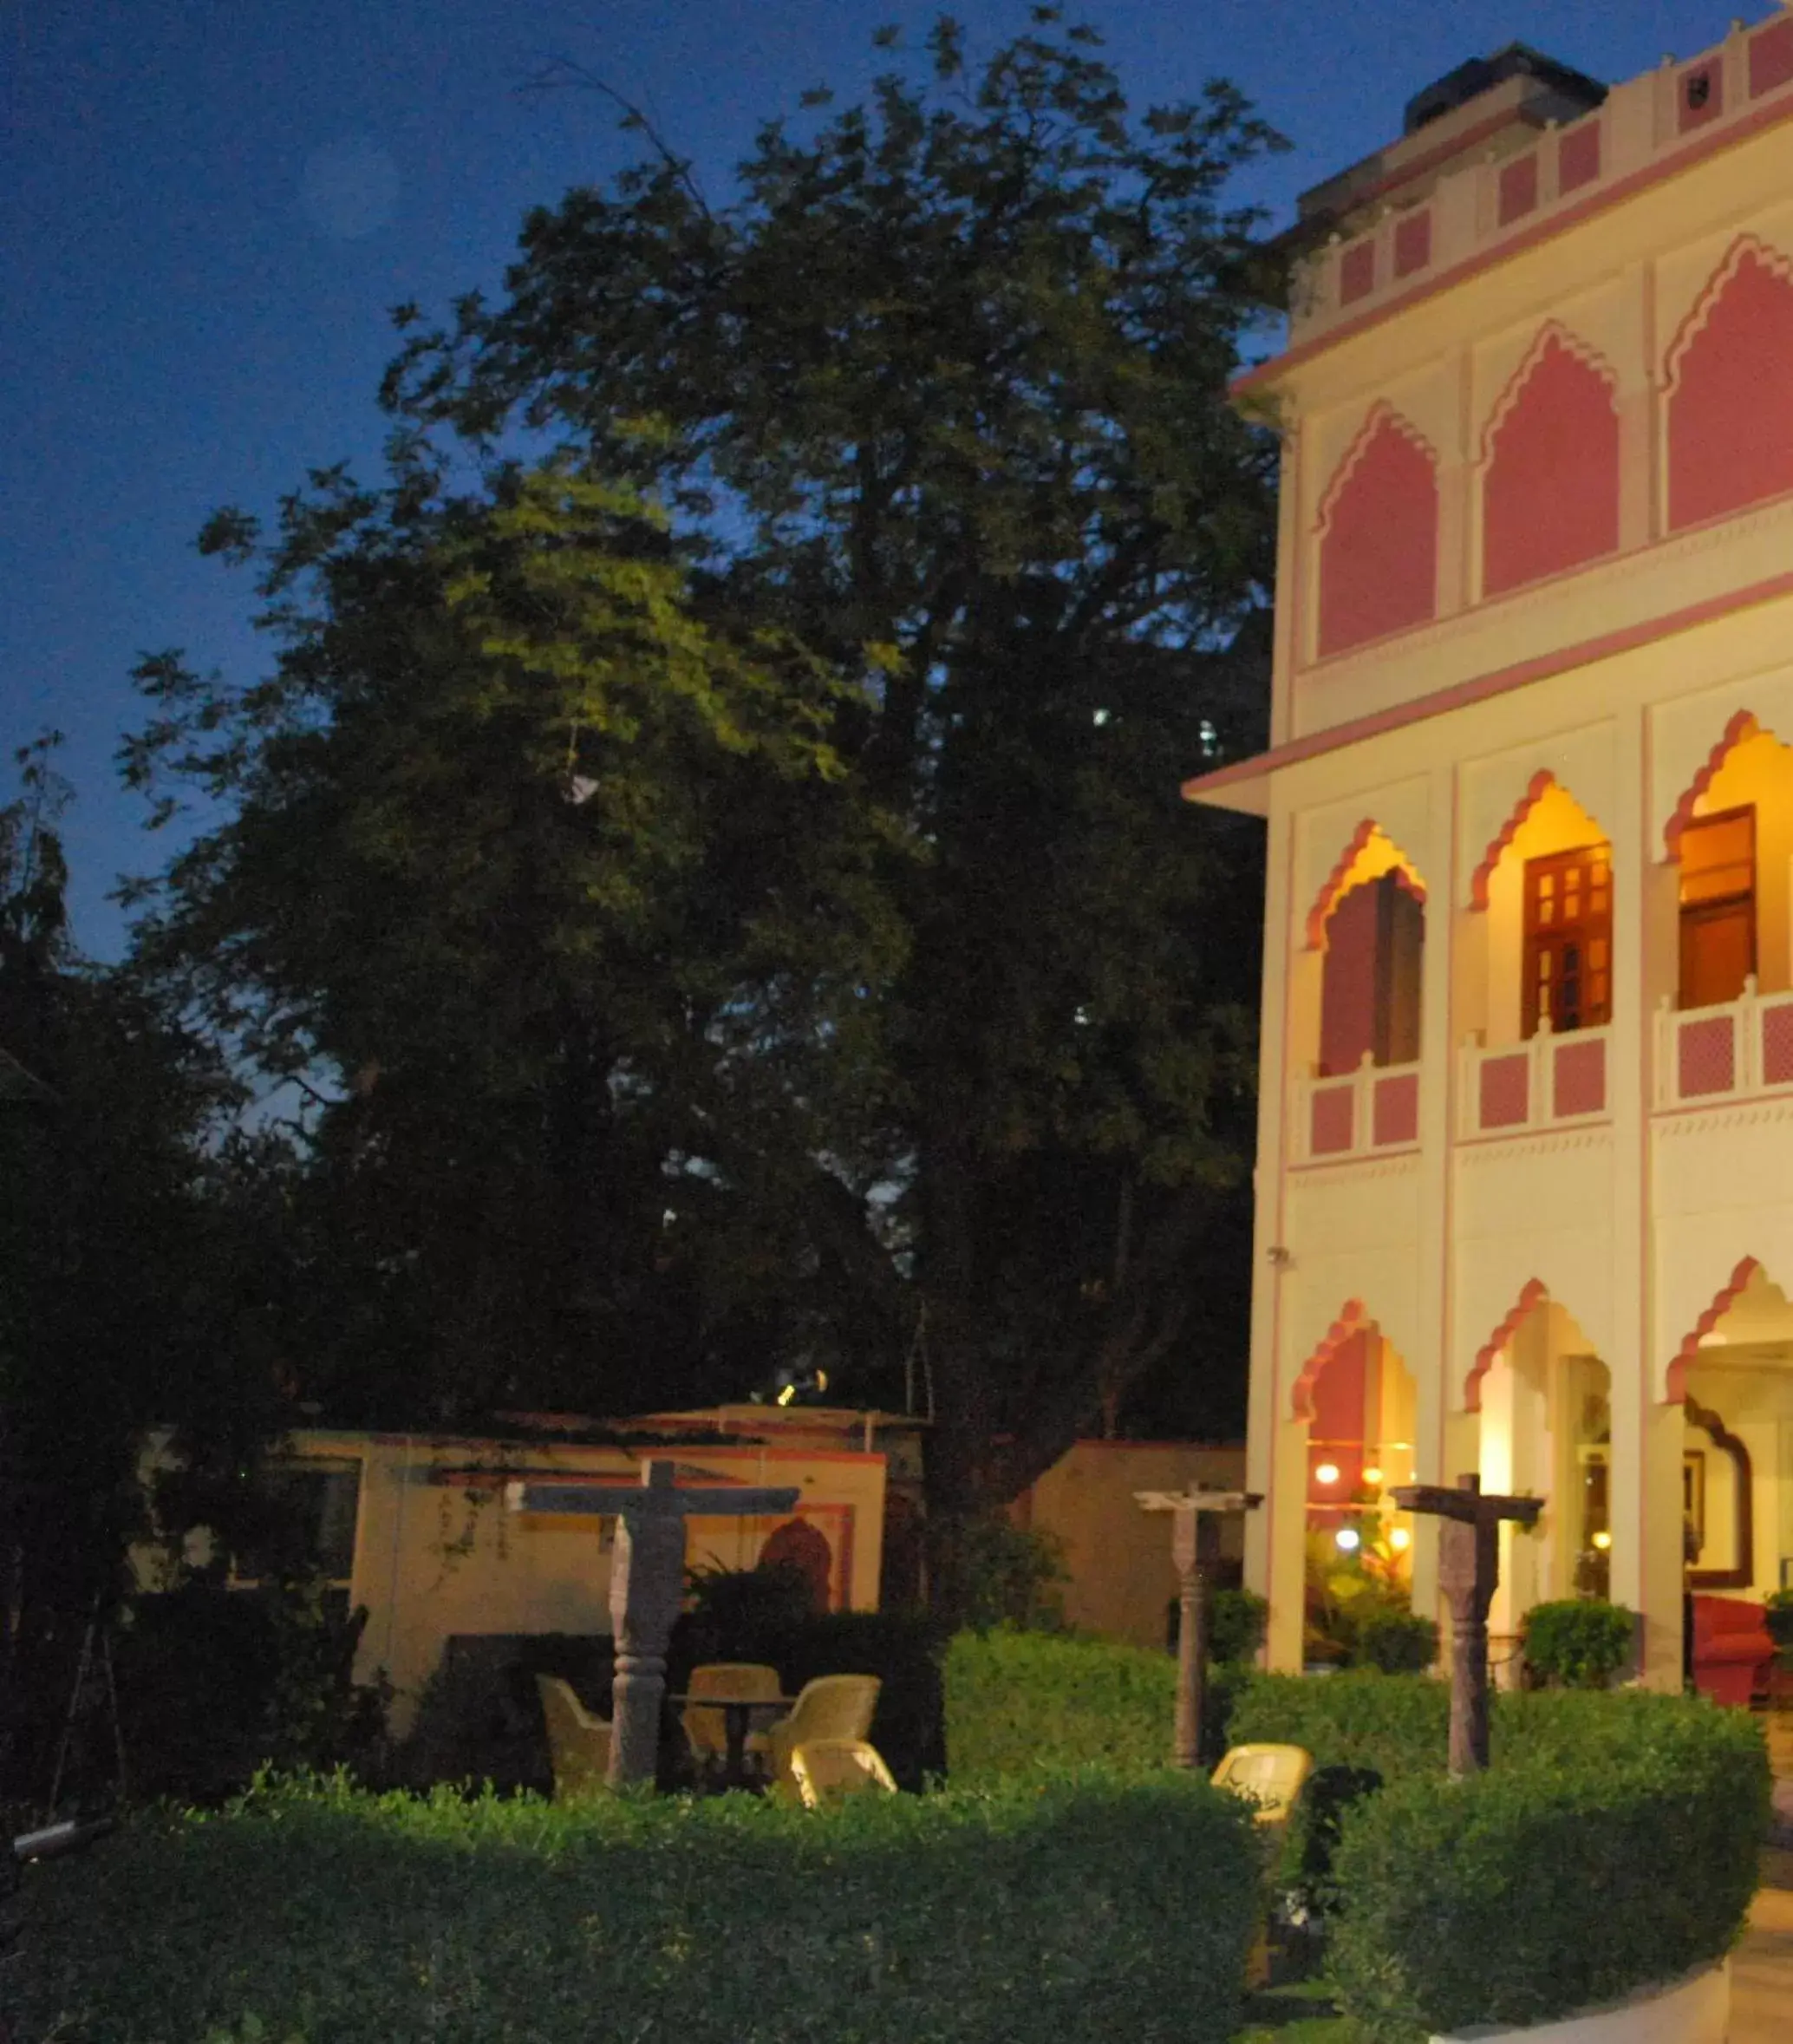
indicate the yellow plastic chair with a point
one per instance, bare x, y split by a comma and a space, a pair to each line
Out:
705, 1730
831, 1707
578, 1743
1271, 1777
829, 1770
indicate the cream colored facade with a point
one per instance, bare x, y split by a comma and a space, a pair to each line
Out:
1616, 1238
1122, 1581
437, 1553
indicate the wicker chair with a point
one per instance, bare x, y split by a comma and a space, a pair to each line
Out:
831, 1707
578, 1743
827, 1770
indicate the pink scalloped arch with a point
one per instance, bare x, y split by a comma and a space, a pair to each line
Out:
1327, 899
1536, 789
1532, 1293
1675, 1386
1730, 402
1742, 725
1354, 1320
1377, 535
1550, 464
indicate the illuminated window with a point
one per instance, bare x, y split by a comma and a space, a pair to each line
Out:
1717, 906
1569, 940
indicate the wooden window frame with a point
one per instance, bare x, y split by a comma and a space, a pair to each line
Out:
1718, 906
1533, 934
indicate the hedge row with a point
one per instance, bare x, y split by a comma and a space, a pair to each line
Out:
1020, 1703
1554, 1882
1099, 1907
1612, 1844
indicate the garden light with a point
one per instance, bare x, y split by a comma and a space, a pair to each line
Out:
1348, 1539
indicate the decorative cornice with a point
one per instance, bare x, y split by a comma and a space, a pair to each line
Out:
1775, 1112
1394, 1162
1536, 1142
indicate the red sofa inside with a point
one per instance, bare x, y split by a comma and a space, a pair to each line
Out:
1733, 1652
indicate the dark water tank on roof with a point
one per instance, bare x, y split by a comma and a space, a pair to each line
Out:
1481, 74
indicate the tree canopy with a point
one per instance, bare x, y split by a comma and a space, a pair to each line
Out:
721, 864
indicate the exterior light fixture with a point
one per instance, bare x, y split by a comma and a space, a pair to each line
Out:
1400, 1539
1602, 1540
1373, 1474
1326, 1472
1347, 1540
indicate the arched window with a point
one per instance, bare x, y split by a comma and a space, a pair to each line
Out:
1551, 492
1378, 543
1731, 403
1370, 980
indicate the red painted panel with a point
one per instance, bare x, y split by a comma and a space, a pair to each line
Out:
1397, 1110
1340, 1403
1347, 983
1357, 271
1505, 1099
1379, 562
1412, 243
1730, 415
1700, 94
1518, 188
1329, 1133
1578, 158
1550, 496
1771, 58
1581, 1078
1777, 1046
1706, 1060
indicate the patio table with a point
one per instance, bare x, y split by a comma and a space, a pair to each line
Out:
737, 1722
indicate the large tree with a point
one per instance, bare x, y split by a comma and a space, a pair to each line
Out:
938, 1019
140, 1277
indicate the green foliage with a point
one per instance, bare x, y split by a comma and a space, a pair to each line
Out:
1008, 1575
1236, 1621
1105, 1908
745, 1614
1033, 1704
1396, 1642
1615, 1847
214, 1685
1777, 1616
1580, 1642
1398, 1724
771, 926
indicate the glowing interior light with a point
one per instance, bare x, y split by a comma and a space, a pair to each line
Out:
1326, 1472
1373, 1474
1400, 1539
1602, 1540
1348, 1539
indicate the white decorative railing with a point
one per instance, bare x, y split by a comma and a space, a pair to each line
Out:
1374, 1108
1741, 1047
1540, 1084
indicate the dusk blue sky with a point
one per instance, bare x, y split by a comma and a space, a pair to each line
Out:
208, 206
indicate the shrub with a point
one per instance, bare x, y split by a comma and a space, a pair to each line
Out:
1397, 1643
1103, 1907
1615, 1848
1578, 1642
1007, 1575
1398, 1724
1235, 1626
1019, 1703
1777, 1616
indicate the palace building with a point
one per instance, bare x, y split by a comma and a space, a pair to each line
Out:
1525, 1165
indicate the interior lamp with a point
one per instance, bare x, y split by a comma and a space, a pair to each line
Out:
1400, 1539
1603, 1540
1373, 1474
1347, 1540
1326, 1472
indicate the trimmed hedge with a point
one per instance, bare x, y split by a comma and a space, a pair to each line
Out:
1397, 1724
1616, 1848
1020, 1703
1100, 1906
